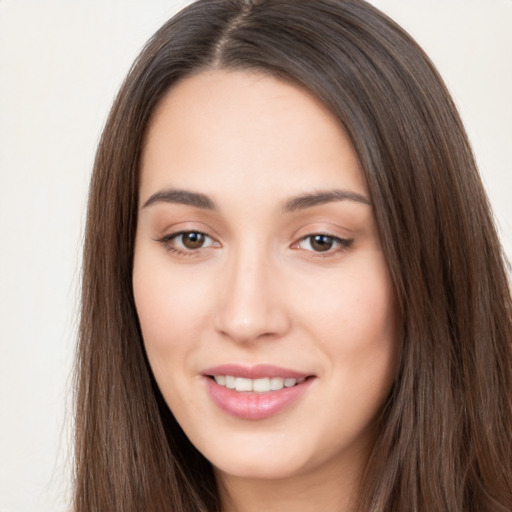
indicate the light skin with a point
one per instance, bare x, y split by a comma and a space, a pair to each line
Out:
256, 244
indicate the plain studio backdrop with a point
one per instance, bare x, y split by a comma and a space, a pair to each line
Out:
61, 63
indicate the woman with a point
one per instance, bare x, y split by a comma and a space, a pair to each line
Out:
294, 296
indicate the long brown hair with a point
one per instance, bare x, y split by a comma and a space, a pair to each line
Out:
445, 436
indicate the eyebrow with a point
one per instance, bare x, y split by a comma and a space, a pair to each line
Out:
300, 202
322, 197
181, 197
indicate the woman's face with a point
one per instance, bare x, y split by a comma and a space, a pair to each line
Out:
258, 266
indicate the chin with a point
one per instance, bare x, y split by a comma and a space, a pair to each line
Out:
266, 457
269, 469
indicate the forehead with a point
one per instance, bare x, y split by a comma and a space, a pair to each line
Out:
249, 132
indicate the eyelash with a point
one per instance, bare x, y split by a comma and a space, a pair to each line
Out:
168, 241
342, 244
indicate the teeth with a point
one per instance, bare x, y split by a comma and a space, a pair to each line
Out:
259, 385
230, 382
276, 383
220, 379
242, 384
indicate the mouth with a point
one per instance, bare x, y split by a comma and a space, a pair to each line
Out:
257, 392
261, 385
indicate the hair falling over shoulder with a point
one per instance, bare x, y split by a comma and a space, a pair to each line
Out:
445, 434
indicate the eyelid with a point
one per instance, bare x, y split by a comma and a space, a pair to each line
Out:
188, 232
341, 244
168, 241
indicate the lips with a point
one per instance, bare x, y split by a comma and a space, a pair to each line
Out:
254, 372
255, 392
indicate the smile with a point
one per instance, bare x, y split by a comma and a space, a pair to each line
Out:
262, 385
256, 392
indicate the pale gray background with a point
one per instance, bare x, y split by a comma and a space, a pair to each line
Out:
61, 63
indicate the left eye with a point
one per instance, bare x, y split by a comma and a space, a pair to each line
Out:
323, 243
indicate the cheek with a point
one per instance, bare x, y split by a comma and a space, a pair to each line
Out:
359, 338
358, 307
353, 319
172, 311
171, 305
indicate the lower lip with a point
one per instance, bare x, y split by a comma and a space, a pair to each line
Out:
255, 406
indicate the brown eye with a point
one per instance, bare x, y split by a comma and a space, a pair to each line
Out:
188, 243
321, 243
193, 240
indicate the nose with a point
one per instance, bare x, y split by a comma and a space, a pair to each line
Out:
252, 302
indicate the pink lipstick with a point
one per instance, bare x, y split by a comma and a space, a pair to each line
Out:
255, 392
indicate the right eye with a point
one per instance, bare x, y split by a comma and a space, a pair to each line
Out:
187, 242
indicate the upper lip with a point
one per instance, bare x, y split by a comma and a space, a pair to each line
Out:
258, 371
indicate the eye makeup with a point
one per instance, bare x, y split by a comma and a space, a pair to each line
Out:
193, 243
